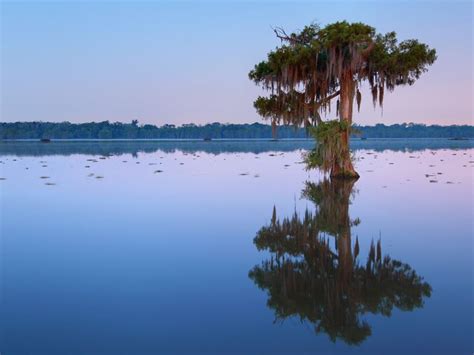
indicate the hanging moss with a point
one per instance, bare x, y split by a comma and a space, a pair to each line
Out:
318, 64
305, 73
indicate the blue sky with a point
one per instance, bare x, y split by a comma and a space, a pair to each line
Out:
180, 62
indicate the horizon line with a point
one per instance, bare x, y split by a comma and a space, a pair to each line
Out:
230, 123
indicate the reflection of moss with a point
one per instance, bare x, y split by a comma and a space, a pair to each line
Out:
332, 199
328, 287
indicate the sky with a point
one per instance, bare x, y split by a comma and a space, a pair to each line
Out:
181, 62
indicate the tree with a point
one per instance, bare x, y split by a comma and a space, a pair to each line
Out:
318, 65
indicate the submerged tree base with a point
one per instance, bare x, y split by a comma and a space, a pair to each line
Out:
350, 175
348, 172
332, 154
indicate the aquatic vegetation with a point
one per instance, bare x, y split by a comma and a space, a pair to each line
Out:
329, 145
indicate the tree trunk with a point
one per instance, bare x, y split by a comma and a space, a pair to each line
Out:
274, 130
343, 167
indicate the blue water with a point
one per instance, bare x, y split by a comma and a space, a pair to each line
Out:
149, 247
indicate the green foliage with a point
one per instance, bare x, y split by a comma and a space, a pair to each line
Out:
329, 146
394, 65
306, 72
343, 34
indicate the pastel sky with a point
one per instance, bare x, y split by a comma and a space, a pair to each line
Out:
181, 62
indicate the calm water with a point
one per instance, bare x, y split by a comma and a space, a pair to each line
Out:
232, 247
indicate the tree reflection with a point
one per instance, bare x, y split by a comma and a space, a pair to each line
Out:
328, 286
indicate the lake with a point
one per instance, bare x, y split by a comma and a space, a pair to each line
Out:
127, 247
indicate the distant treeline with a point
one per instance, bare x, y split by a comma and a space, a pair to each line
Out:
133, 130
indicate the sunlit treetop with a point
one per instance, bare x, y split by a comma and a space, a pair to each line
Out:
308, 70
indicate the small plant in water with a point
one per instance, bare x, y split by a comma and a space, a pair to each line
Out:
330, 150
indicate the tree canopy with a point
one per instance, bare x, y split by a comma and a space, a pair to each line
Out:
309, 69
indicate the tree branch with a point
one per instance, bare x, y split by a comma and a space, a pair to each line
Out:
318, 104
365, 53
283, 36
328, 98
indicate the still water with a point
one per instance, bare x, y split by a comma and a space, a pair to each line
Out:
232, 247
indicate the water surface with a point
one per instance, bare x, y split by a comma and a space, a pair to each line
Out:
220, 247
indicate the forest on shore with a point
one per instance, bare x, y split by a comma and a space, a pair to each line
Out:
134, 130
